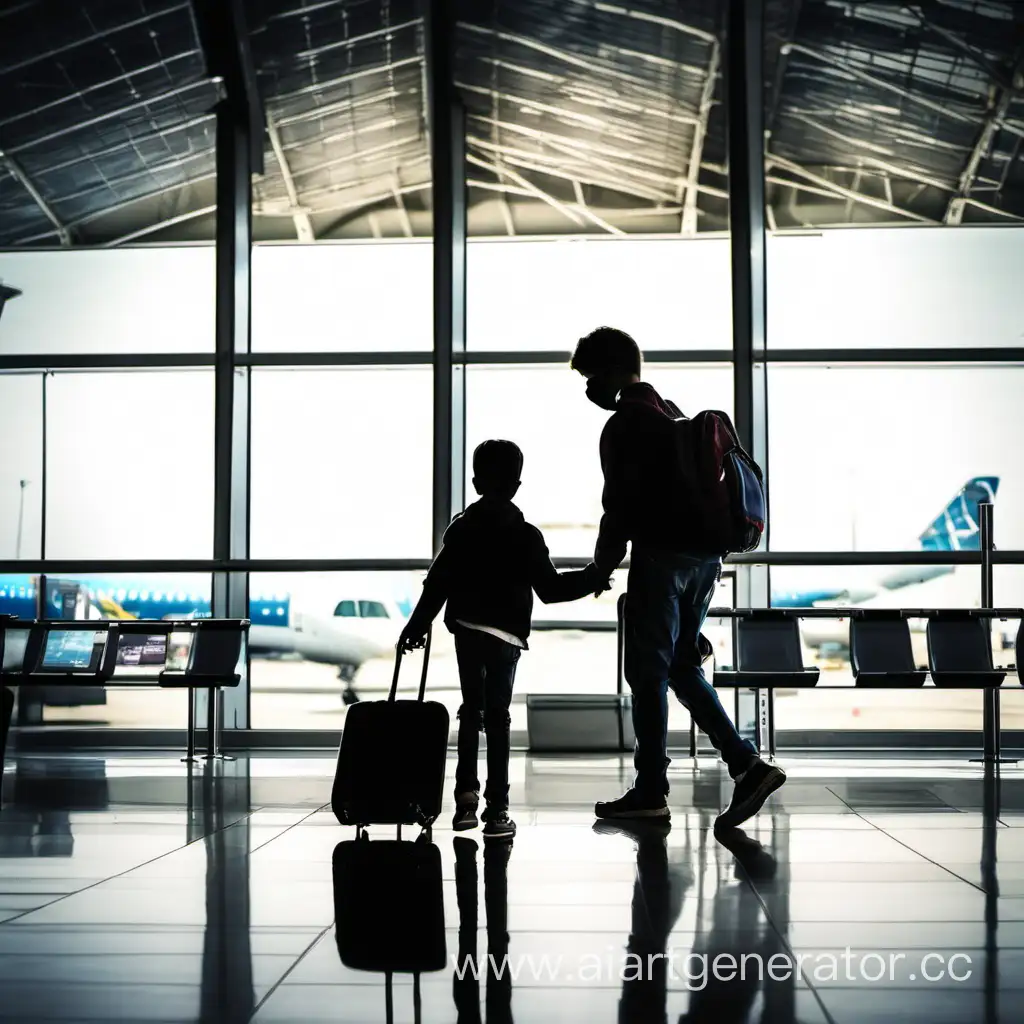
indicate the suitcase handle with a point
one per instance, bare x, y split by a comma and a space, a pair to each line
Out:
423, 678
620, 606
620, 659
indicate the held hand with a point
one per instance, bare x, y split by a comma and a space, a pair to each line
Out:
601, 582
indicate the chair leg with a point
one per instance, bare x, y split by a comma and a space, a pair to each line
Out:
190, 740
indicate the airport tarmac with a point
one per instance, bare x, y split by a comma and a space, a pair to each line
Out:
302, 695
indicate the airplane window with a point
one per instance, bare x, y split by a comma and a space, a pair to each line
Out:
346, 609
372, 610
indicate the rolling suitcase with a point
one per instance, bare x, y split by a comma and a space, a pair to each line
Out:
6, 708
392, 759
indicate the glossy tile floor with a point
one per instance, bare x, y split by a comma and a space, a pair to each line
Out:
866, 891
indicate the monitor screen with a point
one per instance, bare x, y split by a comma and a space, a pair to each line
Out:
72, 650
178, 651
142, 649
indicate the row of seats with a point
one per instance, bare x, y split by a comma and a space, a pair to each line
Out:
769, 653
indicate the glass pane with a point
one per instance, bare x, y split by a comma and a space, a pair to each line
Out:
671, 293
308, 646
896, 288
109, 300
116, 596
150, 495
369, 297
612, 121
544, 410
350, 155
342, 463
871, 457
21, 466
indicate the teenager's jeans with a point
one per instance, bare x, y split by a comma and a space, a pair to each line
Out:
487, 671
667, 599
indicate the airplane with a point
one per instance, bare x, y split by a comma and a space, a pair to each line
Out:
314, 625
955, 528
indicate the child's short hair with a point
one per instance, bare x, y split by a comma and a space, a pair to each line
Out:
497, 465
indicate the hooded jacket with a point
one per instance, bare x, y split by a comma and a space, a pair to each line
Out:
643, 499
490, 563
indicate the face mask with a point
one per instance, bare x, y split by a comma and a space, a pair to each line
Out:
602, 393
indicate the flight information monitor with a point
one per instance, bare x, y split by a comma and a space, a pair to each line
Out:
142, 649
72, 650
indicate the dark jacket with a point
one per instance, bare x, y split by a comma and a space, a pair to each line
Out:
490, 563
643, 499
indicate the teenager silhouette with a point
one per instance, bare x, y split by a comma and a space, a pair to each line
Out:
671, 580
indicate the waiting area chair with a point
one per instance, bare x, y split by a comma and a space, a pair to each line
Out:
881, 654
960, 651
768, 653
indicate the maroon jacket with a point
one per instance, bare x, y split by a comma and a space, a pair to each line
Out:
643, 499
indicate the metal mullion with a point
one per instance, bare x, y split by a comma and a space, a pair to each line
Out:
927, 356
549, 356
108, 361
299, 359
86, 567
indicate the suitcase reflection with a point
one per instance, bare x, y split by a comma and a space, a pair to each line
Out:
389, 913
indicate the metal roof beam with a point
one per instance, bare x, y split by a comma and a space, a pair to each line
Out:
998, 107
840, 191
303, 225
151, 229
162, 64
539, 193
607, 156
688, 221
600, 71
112, 115
63, 232
36, 58
976, 56
403, 213
353, 76
880, 83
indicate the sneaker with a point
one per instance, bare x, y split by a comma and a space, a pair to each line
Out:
498, 825
465, 811
753, 787
633, 805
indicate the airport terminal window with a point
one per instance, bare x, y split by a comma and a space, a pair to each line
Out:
129, 470
544, 410
897, 288
575, 285
870, 457
341, 463
21, 466
340, 297
103, 300
308, 646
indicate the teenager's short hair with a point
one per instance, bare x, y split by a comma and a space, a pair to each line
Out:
606, 350
497, 464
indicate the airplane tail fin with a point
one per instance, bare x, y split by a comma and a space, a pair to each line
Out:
957, 527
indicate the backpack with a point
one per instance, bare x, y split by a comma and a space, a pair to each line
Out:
722, 483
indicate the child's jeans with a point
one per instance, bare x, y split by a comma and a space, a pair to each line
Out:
487, 671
